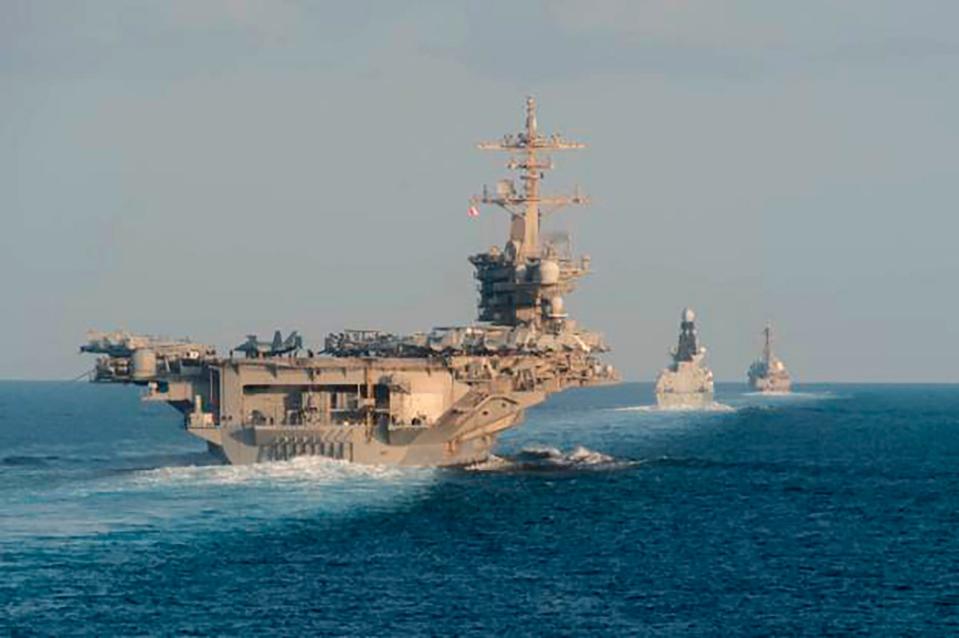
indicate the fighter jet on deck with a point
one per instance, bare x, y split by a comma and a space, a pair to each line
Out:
255, 349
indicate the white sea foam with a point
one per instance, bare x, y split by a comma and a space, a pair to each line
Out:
771, 393
712, 407
301, 470
578, 456
792, 395
584, 456
194, 496
492, 464
537, 457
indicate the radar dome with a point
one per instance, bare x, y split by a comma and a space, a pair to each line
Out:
688, 315
548, 272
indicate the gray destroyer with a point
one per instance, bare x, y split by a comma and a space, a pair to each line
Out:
436, 398
686, 383
768, 373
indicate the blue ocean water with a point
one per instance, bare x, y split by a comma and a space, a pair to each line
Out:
831, 511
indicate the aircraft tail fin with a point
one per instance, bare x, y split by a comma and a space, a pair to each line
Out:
295, 340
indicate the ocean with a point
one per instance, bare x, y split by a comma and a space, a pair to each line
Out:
831, 511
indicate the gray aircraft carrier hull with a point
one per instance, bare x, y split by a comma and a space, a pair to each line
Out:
421, 447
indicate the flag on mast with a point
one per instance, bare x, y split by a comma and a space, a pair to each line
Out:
473, 211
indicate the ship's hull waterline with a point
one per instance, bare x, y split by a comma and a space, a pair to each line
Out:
770, 385
244, 446
685, 400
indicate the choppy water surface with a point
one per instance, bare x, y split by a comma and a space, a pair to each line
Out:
834, 510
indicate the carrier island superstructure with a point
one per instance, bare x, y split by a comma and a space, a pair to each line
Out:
435, 398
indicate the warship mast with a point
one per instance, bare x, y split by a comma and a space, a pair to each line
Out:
767, 344
688, 347
523, 284
526, 208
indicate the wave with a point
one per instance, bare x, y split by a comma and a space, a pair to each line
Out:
26, 460
578, 456
194, 498
102, 458
546, 458
492, 464
300, 470
792, 395
712, 407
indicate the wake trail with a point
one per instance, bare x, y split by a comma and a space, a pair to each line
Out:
711, 408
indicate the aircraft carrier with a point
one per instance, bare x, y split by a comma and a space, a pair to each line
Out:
686, 383
435, 398
768, 373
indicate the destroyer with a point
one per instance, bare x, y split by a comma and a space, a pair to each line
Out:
686, 383
768, 374
436, 398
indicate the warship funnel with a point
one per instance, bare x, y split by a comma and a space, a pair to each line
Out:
434, 398
686, 382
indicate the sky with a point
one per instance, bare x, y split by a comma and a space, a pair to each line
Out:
213, 168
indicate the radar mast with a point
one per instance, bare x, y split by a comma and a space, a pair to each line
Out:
529, 157
768, 343
524, 284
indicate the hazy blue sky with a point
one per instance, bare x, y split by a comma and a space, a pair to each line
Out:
212, 168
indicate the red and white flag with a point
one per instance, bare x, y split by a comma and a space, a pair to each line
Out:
473, 211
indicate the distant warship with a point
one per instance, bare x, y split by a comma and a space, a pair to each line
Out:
436, 398
768, 374
686, 383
